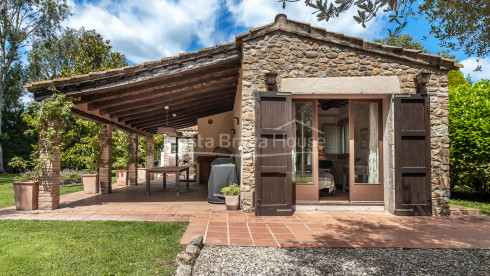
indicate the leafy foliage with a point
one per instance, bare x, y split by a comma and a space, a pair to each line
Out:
21, 22
77, 52
50, 123
458, 24
232, 190
455, 79
469, 131
402, 40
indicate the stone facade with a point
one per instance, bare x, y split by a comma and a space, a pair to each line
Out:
295, 50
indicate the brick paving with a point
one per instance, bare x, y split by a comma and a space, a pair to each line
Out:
303, 229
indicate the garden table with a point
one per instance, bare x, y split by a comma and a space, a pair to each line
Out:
164, 171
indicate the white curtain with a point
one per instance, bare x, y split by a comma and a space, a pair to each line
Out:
373, 162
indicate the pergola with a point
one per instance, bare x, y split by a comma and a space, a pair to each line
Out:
133, 99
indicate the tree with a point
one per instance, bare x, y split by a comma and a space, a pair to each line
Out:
75, 52
469, 133
458, 24
455, 79
13, 138
21, 21
402, 40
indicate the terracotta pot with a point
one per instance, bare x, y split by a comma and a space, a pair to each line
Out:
122, 178
90, 183
141, 175
25, 194
232, 202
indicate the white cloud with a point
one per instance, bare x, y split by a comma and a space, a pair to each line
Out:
150, 29
255, 13
471, 63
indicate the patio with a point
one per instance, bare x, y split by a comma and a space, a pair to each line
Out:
303, 229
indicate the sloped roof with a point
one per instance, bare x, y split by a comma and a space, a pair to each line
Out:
281, 23
194, 84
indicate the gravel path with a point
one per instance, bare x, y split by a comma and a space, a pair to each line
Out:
223, 260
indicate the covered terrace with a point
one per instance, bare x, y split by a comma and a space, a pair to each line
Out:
133, 99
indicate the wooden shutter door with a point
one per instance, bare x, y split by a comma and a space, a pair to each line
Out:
273, 160
412, 155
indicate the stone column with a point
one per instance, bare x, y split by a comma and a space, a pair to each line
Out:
49, 178
133, 160
150, 157
105, 159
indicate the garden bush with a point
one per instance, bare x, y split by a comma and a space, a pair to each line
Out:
469, 131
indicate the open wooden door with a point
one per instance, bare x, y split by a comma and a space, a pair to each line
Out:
412, 155
273, 154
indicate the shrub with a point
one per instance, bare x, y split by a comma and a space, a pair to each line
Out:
69, 176
469, 131
232, 190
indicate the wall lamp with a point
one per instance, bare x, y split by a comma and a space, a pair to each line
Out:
270, 81
421, 80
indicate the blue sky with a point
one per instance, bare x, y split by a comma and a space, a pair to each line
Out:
147, 30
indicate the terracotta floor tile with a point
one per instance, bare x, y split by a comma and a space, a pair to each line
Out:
218, 224
257, 236
340, 244
260, 230
266, 243
235, 235
217, 235
237, 224
307, 237
239, 229
289, 244
289, 237
241, 242
217, 229
216, 241
276, 225
280, 230
314, 244
257, 224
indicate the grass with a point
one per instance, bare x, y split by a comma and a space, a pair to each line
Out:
89, 247
485, 207
471, 199
7, 193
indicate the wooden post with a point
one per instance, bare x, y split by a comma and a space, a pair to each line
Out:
105, 169
133, 160
150, 157
49, 178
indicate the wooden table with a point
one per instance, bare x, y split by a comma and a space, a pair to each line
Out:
164, 171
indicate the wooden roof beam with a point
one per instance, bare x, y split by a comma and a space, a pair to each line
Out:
169, 97
161, 92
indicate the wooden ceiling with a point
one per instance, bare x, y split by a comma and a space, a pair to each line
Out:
192, 85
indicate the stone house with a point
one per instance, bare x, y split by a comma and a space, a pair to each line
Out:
313, 119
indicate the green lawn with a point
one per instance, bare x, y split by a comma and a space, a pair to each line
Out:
89, 247
7, 193
485, 207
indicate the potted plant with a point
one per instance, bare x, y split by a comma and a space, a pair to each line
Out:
90, 179
26, 186
232, 196
122, 177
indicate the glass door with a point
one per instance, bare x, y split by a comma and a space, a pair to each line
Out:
366, 142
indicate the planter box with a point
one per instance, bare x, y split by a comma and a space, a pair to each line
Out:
25, 194
90, 183
122, 178
232, 202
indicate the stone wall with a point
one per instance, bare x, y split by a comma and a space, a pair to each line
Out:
292, 55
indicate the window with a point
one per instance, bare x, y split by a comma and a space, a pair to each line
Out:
173, 148
366, 147
303, 150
